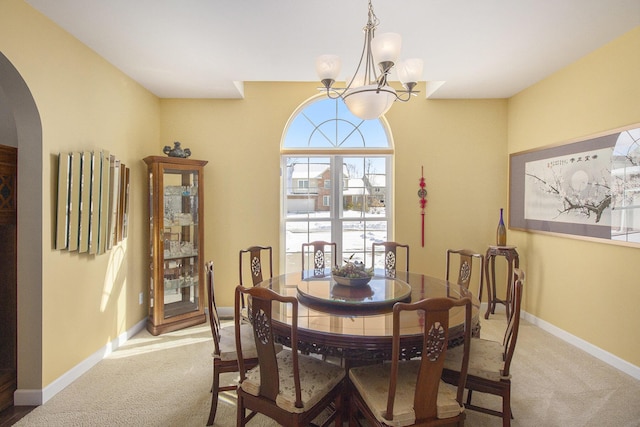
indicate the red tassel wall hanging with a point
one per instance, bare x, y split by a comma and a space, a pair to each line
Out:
422, 193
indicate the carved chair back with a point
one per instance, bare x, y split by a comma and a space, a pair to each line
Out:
390, 251
251, 264
465, 268
436, 338
315, 253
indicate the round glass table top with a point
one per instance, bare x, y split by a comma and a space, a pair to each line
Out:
379, 292
343, 325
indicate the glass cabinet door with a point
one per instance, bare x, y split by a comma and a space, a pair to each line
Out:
180, 242
176, 266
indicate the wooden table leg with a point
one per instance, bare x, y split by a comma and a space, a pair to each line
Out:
491, 284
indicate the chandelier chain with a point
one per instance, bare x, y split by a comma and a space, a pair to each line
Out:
373, 21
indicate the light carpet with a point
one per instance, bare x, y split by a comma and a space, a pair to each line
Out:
165, 381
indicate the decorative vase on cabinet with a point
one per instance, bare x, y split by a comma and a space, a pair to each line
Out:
176, 243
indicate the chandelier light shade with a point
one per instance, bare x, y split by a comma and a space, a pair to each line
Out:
409, 72
368, 102
328, 67
367, 93
386, 47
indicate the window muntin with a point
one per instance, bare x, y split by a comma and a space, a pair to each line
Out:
328, 124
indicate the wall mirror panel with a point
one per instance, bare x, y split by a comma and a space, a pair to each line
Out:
92, 202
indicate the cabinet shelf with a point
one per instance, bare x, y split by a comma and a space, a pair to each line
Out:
172, 257
176, 242
178, 308
180, 283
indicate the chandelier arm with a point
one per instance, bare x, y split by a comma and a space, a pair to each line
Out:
405, 95
373, 89
370, 73
362, 56
333, 93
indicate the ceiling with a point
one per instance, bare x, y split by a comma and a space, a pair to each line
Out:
209, 48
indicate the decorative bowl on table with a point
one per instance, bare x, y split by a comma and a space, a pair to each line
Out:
352, 274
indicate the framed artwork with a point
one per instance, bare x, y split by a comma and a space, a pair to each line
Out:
588, 188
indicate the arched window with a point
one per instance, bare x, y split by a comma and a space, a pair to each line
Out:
336, 181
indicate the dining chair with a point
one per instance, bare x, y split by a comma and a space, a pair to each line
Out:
410, 392
225, 357
490, 361
315, 253
252, 266
390, 262
465, 268
286, 386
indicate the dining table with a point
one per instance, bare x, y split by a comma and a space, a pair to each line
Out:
355, 323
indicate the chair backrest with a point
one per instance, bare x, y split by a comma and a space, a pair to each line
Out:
436, 313
390, 250
315, 253
260, 310
513, 325
465, 268
253, 258
214, 320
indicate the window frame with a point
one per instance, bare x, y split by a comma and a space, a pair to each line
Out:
337, 185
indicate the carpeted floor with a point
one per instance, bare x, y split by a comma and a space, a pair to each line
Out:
165, 381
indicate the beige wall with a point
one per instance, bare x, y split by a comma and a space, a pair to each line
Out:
589, 289
461, 144
84, 104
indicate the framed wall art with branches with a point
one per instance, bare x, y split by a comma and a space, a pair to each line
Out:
588, 188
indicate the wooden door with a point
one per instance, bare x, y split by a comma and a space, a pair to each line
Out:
8, 276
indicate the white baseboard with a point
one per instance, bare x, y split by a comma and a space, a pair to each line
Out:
35, 397
225, 312
585, 346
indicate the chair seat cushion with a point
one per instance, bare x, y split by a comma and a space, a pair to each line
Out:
228, 343
372, 382
317, 378
485, 359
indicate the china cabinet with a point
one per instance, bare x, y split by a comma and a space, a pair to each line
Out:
176, 243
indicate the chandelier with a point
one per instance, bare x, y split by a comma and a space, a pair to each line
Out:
367, 93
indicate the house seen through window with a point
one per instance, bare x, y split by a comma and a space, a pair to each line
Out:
336, 182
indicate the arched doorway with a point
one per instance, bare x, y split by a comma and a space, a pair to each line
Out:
20, 127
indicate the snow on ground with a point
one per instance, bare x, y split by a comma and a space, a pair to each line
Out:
357, 236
